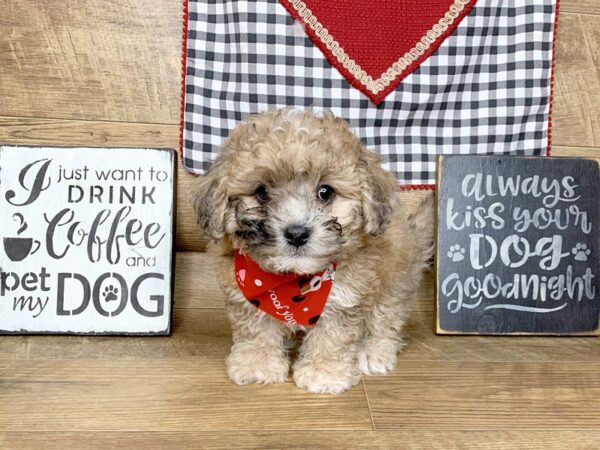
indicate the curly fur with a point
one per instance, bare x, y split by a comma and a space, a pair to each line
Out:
380, 253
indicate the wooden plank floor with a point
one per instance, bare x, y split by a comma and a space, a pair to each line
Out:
107, 73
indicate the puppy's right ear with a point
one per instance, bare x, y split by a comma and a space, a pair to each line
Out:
211, 193
210, 200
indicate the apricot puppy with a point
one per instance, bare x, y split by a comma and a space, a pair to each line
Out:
308, 236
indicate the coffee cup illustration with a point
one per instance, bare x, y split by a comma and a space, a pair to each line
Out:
18, 248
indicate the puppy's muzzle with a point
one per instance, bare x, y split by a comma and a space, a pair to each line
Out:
297, 235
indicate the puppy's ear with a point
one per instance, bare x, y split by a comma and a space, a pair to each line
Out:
211, 194
379, 200
210, 200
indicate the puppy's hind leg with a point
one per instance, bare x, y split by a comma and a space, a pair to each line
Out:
259, 353
378, 352
412, 249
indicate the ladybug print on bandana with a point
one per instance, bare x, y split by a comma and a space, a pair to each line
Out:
291, 298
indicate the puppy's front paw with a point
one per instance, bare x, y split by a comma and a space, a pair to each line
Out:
256, 366
329, 379
378, 356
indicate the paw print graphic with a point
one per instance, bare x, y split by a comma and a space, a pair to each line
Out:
110, 293
581, 252
456, 253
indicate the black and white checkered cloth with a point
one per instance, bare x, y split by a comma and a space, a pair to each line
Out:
485, 90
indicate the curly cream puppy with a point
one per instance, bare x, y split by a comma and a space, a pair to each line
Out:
295, 192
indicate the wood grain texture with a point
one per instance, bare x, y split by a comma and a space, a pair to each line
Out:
487, 396
202, 334
300, 440
205, 333
196, 283
591, 7
91, 59
13, 348
585, 152
424, 345
184, 394
91, 133
576, 108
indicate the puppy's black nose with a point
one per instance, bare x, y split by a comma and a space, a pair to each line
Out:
296, 235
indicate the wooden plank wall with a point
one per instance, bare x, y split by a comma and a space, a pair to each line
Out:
108, 73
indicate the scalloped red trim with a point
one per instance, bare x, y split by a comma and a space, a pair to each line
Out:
417, 187
184, 39
549, 146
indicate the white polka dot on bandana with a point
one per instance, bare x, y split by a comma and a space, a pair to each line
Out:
258, 282
305, 309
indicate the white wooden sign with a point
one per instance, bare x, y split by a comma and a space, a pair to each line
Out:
86, 240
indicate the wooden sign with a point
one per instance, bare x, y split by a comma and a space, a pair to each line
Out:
86, 240
518, 245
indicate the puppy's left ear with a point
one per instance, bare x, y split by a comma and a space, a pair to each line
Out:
379, 200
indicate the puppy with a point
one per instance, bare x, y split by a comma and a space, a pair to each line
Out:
297, 206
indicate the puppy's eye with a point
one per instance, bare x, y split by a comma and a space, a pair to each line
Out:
325, 193
262, 194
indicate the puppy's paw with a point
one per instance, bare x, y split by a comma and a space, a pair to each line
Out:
257, 367
333, 379
378, 356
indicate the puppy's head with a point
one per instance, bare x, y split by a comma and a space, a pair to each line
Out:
295, 191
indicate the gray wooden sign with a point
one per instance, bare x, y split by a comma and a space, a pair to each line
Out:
518, 245
86, 239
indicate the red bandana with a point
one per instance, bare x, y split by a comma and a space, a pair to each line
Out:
290, 298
